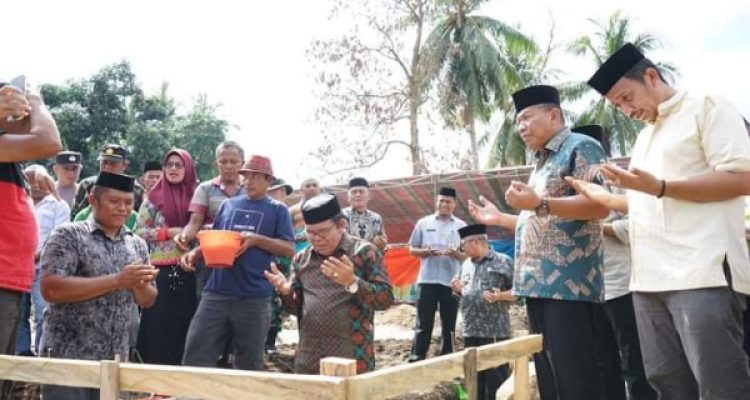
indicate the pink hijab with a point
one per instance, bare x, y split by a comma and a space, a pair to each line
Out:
173, 200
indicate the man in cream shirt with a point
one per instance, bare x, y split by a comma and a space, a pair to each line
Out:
690, 169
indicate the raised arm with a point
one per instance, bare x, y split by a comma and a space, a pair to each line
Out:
41, 141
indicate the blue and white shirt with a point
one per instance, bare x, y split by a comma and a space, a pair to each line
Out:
560, 258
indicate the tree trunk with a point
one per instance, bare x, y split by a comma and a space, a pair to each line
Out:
416, 159
471, 128
415, 97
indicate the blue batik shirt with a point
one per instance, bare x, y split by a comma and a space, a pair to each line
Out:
559, 258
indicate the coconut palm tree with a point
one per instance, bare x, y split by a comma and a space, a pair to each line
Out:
609, 36
530, 66
465, 56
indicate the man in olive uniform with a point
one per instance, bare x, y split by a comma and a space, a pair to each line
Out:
112, 158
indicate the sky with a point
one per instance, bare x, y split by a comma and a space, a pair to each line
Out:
250, 56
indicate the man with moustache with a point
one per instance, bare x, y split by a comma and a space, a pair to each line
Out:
93, 274
558, 266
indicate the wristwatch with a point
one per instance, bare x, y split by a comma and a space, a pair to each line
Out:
542, 210
354, 287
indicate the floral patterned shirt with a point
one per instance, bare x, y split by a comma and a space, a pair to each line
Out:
95, 329
483, 319
333, 322
163, 252
560, 258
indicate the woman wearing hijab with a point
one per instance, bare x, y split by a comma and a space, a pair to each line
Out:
161, 337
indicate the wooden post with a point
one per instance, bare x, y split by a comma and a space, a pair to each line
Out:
470, 372
340, 367
336, 366
110, 379
521, 384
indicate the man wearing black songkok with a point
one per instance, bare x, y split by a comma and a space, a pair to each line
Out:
337, 284
93, 272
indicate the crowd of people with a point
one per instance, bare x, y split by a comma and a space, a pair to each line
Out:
637, 279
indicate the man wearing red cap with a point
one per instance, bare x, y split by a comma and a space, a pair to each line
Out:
690, 169
236, 303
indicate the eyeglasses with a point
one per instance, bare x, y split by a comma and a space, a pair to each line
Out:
174, 164
319, 232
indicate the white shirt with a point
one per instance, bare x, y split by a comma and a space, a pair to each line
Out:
50, 213
679, 244
441, 234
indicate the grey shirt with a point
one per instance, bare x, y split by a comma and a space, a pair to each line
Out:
483, 319
617, 258
432, 231
95, 329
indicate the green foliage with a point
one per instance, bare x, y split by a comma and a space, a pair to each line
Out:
199, 132
466, 55
111, 107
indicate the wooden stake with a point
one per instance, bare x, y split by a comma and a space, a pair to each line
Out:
521, 371
336, 366
470, 372
110, 379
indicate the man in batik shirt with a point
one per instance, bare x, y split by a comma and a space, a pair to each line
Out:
484, 286
336, 286
363, 223
93, 274
558, 245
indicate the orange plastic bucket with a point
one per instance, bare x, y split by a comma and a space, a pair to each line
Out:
219, 247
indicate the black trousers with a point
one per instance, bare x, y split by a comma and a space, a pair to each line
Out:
164, 326
746, 325
619, 352
10, 317
566, 368
489, 380
429, 297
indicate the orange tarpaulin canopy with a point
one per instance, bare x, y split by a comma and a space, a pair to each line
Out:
402, 267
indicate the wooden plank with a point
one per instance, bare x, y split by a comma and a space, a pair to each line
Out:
470, 372
495, 354
508, 388
110, 380
50, 371
336, 366
212, 383
521, 383
389, 382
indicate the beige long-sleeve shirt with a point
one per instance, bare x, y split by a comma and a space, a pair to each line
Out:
678, 244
